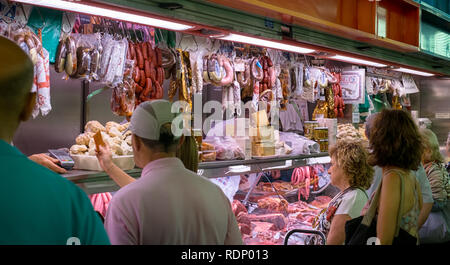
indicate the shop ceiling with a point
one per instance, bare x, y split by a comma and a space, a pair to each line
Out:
210, 17
217, 16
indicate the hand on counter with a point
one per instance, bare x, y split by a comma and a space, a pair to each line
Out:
104, 157
48, 162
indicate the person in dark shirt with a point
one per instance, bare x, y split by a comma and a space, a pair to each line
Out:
38, 206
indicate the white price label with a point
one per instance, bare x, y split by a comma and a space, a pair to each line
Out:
318, 160
355, 117
288, 163
442, 115
239, 67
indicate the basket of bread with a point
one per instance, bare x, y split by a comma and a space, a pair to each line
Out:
113, 134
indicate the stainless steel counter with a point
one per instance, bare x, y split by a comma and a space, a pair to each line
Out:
96, 181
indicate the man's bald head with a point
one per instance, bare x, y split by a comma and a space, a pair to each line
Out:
16, 79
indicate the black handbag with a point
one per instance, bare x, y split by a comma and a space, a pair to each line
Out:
363, 229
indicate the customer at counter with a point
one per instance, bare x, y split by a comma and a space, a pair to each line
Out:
168, 204
437, 227
351, 174
38, 206
48, 162
421, 176
396, 147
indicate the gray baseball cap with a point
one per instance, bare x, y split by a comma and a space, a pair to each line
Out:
148, 118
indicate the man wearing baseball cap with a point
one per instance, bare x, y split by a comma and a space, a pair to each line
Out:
168, 204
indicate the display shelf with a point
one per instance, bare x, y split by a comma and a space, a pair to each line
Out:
96, 182
222, 168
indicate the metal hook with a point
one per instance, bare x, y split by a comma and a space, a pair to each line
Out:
25, 16
128, 34
135, 34
148, 33
177, 46
44, 23
116, 26
6, 21
159, 35
70, 25
196, 44
122, 26
306, 60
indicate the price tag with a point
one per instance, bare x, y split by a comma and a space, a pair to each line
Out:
288, 163
442, 115
355, 117
318, 160
239, 67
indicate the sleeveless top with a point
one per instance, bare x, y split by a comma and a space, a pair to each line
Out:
409, 221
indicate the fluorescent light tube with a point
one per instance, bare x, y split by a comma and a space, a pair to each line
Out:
105, 12
410, 71
357, 61
265, 43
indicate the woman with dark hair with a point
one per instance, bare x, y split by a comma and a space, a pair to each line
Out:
397, 148
421, 176
168, 204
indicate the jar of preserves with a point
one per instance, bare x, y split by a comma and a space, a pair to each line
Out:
323, 145
320, 133
309, 128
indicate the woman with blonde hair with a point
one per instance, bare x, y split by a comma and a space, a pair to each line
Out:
434, 166
436, 229
351, 173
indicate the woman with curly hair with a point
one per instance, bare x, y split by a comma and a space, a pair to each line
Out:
421, 176
352, 175
397, 148
436, 229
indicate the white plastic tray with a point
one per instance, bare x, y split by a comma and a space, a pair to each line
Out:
86, 162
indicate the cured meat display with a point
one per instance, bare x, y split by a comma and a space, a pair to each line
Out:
273, 204
254, 87
275, 218
31, 44
148, 73
274, 208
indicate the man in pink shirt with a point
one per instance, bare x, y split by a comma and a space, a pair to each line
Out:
168, 204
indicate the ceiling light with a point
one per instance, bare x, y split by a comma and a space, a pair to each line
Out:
265, 43
106, 12
357, 61
410, 71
